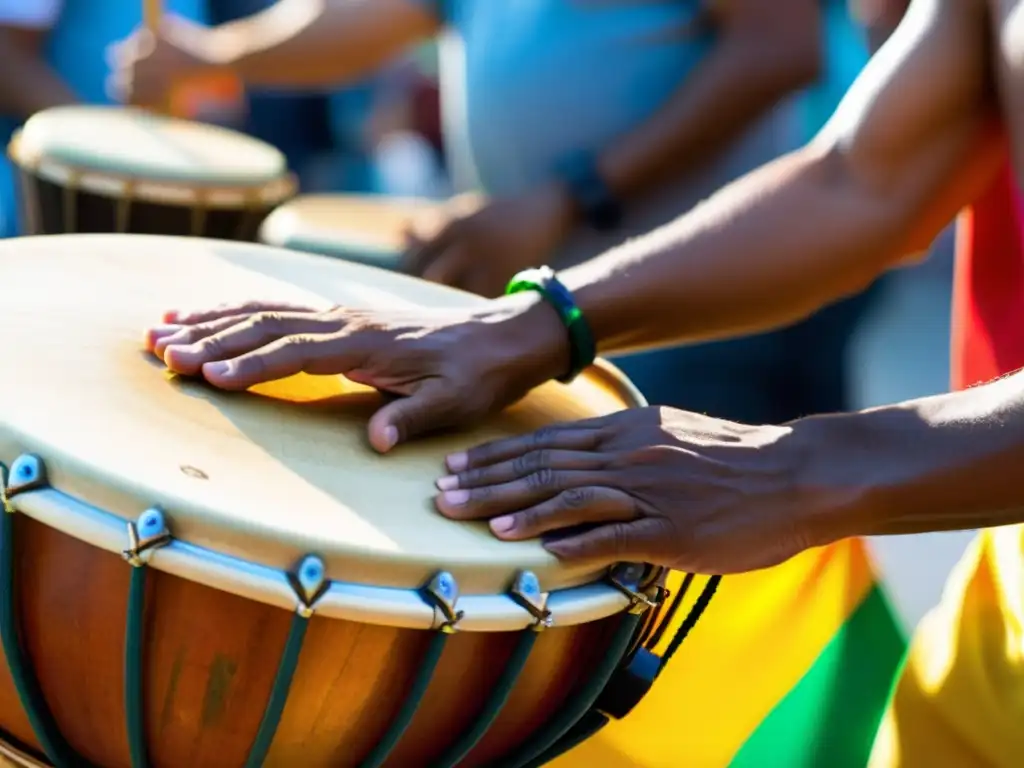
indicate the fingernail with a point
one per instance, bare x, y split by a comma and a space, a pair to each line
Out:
447, 483
390, 438
457, 462
456, 498
170, 316
503, 524
219, 368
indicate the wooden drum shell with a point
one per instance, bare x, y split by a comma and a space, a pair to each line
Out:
215, 654
47, 208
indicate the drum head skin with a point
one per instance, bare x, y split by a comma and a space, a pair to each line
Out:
361, 228
266, 476
132, 143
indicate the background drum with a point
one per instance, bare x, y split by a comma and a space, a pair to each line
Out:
362, 228
111, 169
294, 595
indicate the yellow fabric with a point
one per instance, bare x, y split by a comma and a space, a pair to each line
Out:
959, 702
761, 633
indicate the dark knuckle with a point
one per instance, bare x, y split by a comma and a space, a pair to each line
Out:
541, 479
212, 345
470, 477
530, 462
620, 537
577, 497
528, 519
543, 435
267, 322
299, 342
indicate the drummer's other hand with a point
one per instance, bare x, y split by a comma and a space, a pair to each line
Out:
451, 366
481, 250
144, 67
653, 485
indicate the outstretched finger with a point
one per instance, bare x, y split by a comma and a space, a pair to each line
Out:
573, 507
158, 338
238, 338
193, 316
318, 355
571, 436
521, 466
614, 543
524, 493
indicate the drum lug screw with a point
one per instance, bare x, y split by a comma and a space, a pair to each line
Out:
27, 473
627, 578
442, 592
527, 594
309, 582
147, 533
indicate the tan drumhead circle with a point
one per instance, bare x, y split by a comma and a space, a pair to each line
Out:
95, 147
267, 476
367, 229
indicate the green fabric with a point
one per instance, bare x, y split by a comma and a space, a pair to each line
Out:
830, 717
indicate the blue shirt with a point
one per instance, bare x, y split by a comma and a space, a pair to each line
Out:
845, 52
527, 83
76, 48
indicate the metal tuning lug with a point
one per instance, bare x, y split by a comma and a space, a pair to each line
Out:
147, 533
442, 592
526, 592
27, 473
309, 582
629, 579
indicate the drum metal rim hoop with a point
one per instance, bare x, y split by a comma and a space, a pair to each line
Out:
117, 186
18, 757
30, 493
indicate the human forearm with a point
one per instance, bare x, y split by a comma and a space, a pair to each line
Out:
27, 83
942, 463
312, 42
742, 78
910, 145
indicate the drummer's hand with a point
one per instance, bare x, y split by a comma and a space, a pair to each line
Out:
144, 67
654, 485
482, 250
451, 366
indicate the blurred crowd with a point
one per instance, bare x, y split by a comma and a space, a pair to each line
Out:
639, 109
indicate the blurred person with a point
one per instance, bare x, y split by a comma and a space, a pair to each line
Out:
934, 125
27, 85
53, 52
586, 123
298, 124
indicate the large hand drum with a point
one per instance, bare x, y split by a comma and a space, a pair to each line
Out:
197, 578
110, 169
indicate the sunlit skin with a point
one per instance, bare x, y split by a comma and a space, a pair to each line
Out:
917, 138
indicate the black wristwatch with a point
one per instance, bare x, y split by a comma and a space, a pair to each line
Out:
597, 204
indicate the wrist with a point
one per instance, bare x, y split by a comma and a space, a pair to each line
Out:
531, 337
846, 476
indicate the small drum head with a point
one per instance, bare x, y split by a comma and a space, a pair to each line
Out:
264, 477
365, 229
94, 144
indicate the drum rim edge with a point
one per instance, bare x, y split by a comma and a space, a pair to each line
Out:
388, 606
116, 186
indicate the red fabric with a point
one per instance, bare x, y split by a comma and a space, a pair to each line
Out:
988, 293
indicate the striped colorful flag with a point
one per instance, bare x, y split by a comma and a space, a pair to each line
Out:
789, 667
